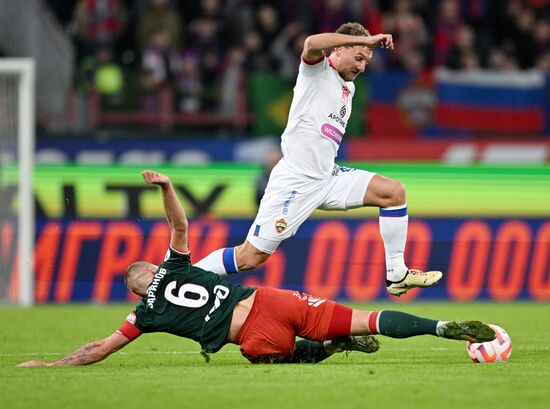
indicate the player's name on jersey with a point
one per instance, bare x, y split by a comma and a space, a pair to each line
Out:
152, 289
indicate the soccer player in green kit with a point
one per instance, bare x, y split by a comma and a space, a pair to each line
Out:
187, 301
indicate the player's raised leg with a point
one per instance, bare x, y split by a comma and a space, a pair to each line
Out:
230, 260
283, 209
389, 196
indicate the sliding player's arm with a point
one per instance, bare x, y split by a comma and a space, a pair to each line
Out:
172, 208
98, 350
315, 44
87, 354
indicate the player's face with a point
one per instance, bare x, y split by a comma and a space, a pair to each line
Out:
353, 61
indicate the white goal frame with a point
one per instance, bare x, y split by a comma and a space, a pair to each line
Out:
24, 68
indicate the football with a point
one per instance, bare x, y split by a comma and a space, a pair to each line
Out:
497, 350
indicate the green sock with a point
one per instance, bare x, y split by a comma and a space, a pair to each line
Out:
396, 324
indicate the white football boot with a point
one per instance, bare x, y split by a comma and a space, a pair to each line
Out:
413, 279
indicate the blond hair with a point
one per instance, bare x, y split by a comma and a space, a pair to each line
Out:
353, 29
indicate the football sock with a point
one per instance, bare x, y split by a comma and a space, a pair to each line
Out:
308, 352
221, 262
331, 348
393, 222
396, 324
440, 329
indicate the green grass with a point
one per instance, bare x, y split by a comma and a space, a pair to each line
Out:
163, 371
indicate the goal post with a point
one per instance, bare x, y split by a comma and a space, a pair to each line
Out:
17, 145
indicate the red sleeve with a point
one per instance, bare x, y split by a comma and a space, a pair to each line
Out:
314, 62
128, 329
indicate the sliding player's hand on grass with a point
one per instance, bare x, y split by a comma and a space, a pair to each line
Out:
34, 363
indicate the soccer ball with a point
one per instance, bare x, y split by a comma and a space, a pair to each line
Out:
497, 350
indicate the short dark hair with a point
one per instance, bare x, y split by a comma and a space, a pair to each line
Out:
353, 29
133, 271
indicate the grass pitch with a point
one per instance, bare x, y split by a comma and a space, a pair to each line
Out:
163, 371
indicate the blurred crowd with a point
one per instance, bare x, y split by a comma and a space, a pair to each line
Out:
200, 49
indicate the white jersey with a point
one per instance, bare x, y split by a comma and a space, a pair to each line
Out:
317, 120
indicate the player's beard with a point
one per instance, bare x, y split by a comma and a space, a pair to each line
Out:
351, 76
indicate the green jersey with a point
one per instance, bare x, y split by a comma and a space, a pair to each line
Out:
189, 302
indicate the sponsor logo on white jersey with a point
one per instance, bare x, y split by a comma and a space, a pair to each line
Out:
336, 118
345, 93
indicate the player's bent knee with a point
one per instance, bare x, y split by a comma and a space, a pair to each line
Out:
385, 192
398, 196
394, 194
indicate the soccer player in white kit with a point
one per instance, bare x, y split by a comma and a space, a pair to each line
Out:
307, 178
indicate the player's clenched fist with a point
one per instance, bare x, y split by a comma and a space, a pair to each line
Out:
150, 176
381, 41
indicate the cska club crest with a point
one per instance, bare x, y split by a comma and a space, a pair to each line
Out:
345, 93
280, 225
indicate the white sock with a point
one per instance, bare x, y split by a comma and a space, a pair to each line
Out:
439, 328
221, 262
330, 348
393, 222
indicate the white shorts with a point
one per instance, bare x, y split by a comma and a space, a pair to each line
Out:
290, 198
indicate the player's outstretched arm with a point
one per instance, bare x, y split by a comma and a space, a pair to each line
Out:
87, 354
316, 43
172, 208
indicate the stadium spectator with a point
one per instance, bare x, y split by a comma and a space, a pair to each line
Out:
97, 21
542, 36
206, 38
463, 54
287, 48
372, 16
188, 83
415, 26
267, 24
543, 62
100, 73
161, 63
159, 13
231, 80
503, 59
475, 13
257, 41
411, 37
523, 37
448, 22
257, 58
238, 20
329, 14
186, 301
460, 34
209, 25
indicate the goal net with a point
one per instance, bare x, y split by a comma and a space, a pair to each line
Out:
17, 229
